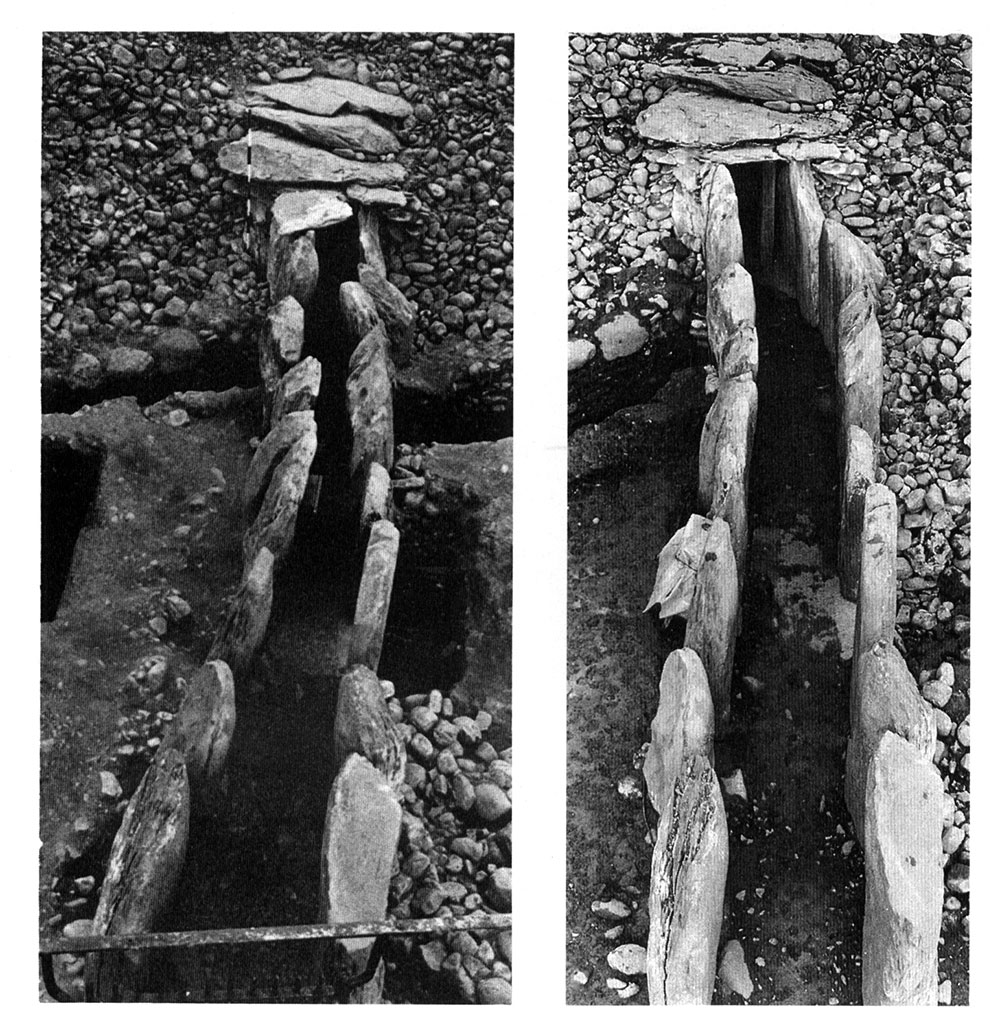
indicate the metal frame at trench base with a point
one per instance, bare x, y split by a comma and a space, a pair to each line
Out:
49, 947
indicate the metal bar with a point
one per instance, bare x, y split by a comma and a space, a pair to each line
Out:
284, 933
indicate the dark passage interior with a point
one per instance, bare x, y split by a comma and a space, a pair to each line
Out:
70, 475
762, 222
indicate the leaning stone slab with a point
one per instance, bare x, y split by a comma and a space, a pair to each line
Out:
723, 235
242, 633
798, 198
884, 697
369, 403
791, 83
859, 364
364, 726
202, 729
350, 132
858, 476
398, 314
677, 567
845, 264
875, 617
694, 119
731, 420
322, 96
360, 839
713, 619
684, 725
903, 882
298, 390
732, 328
376, 195
372, 608
292, 266
369, 236
270, 452
274, 527
687, 885
359, 312
376, 503
277, 160
296, 211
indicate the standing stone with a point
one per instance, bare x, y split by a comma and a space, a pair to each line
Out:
360, 840
858, 476
359, 312
884, 698
797, 191
875, 617
723, 235
398, 314
290, 429
845, 264
731, 317
242, 632
903, 884
686, 890
298, 390
292, 266
372, 608
376, 503
284, 330
364, 726
714, 616
859, 364
369, 404
684, 725
369, 236
274, 527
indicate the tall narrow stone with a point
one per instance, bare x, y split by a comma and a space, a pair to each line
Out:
798, 191
364, 726
858, 476
376, 503
290, 429
372, 608
369, 404
723, 235
298, 389
292, 266
859, 365
731, 317
845, 264
369, 236
242, 633
359, 312
875, 617
398, 314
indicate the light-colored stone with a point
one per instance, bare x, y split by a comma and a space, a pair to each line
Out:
369, 404
859, 364
788, 83
292, 266
296, 211
628, 959
284, 330
623, 335
677, 566
245, 625
322, 96
723, 233
580, 352
358, 309
364, 726
733, 971
270, 452
298, 390
732, 322
797, 195
349, 132
875, 619
396, 312
372, 607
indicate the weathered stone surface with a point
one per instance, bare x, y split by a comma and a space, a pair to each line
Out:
733, 971
376, 503
277, 160
359, 312
731, 317
884, 697
176, 350
296, 211
369, 403
579, 353
623, 335
723, 234
700, 120
804, 218
677, 566
364, 726
845, 264
684, 725
372, 608
688, 216
714, 616
350, 132
687, 885
903, 884
858, 476
284, 330
292, 266
370, 238
359, 847
243, 630
298, 390
380, 195
128, 362
321, 96
202, 729
270, 452
746, 55
398, 314
859, 364
274, 526
791, 83
875, 619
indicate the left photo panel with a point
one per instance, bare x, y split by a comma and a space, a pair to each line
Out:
276, 479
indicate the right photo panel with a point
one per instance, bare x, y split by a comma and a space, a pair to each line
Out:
768, 504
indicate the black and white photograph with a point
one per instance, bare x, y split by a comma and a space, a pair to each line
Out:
276, 453
769, 485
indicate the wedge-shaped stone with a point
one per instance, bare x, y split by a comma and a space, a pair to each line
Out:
791, 83
714, 616
359, 312
298, 390
677, 567
296, 211
875, 617
398, 314
284, 330
372, 608
884, 698
903, 883
274, 527
270, 452
723, 235
845, 265
732, 323
804, 219
321, 96
859, 475
694, 119
202, 729
364, 726
360, 839
684, 725
859, 364
352, 132
369, 404
277, 160
242, 633
686, 889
